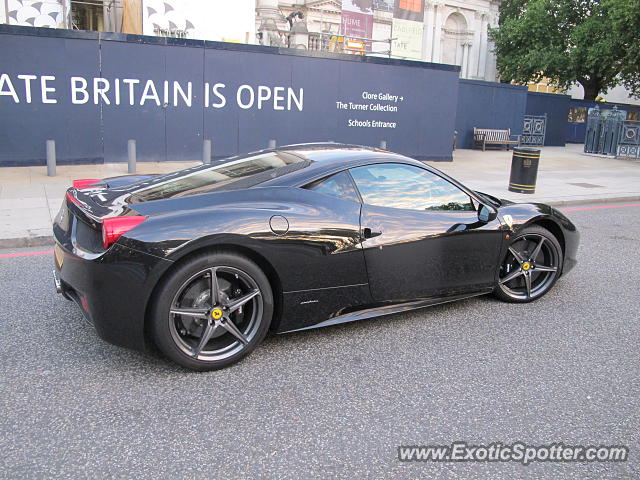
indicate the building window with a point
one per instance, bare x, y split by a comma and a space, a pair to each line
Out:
411, 5
386, 5
87, 15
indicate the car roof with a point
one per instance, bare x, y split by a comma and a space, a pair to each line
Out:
310, 162
325, 158
330, 151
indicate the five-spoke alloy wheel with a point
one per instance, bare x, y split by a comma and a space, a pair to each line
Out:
531, 266
212, 311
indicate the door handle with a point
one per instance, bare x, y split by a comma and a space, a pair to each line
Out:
368, 233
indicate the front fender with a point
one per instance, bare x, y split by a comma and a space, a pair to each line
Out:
523, 215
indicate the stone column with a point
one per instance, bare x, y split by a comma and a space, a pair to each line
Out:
427, 35
464, 67
491, 72
475, 52
437, 32
482, 62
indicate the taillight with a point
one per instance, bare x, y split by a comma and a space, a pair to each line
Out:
85, 182
113, 228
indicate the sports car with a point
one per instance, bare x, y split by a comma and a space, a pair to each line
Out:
201, 263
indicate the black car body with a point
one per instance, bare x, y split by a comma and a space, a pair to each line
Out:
328, 258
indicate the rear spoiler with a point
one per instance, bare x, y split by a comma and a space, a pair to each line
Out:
84, 205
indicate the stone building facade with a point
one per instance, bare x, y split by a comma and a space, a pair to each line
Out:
454, 31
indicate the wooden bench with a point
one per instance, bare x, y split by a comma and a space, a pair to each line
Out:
488, 136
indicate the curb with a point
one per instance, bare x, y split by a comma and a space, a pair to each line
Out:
47, 240
31, 241
586, 201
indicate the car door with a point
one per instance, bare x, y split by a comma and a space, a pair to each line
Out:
421, 234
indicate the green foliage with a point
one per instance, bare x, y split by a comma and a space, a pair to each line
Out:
595, 43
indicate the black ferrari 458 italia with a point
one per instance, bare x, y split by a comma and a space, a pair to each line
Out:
201, 263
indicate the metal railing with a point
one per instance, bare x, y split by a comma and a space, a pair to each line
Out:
533, 130
629, 140
337, 43
603, 130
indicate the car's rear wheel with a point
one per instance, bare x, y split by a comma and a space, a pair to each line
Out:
530, 267
213, 310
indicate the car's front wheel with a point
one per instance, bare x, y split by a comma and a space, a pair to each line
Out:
213, 310
530, 267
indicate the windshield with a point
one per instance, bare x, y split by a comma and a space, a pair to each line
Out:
228, 174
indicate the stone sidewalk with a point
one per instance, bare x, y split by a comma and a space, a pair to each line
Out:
29, 200
566, 176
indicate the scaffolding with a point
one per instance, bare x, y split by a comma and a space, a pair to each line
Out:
340, 43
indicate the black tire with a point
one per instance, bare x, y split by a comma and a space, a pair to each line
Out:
530, 267
226, 332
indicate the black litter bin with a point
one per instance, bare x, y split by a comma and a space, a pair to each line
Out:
524, 170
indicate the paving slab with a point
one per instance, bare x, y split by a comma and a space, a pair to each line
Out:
565, 175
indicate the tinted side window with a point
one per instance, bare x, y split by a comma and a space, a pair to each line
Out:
337, 185
404, 186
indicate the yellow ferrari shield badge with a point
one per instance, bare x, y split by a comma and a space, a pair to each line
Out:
508, 219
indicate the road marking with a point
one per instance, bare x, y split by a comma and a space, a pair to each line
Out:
25, 254
598, 208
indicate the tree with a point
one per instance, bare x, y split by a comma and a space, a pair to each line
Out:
595, 43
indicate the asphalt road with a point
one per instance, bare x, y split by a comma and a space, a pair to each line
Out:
335, 402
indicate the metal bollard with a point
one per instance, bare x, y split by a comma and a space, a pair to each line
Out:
51, 158
131, 153
206, 151
272, 144
383, 145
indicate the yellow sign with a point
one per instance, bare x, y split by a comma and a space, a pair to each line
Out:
336, 42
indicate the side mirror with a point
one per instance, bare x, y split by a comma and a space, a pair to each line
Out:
486, 213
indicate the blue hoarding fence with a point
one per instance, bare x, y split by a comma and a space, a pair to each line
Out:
556, 109
92, 92
488, 105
